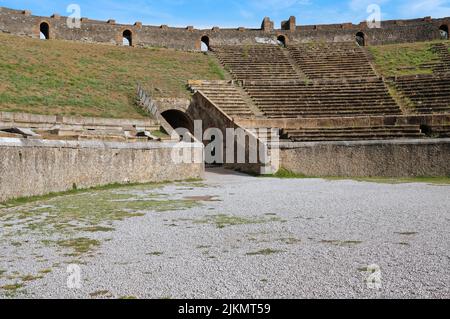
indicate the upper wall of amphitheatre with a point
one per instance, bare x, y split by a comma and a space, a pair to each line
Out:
23, 23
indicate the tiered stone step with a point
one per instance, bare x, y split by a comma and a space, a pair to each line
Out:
225, 95
256, 62
68, 128
429, 93
332, 60
96, 135
357, 97
443, 51
353, 133
440, 131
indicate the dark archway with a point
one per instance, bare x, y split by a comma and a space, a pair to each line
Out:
204, 43
444, 32
178, 119
361, 39
281, 40
44, 29
127, 38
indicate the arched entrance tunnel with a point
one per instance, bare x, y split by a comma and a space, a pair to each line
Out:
178, 119
44, 29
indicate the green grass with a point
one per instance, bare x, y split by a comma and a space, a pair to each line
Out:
70, 219
25, 200
222, 220
444, 180
284, 173
404, 59
12, 287
70, 78
405, 180
31, 277
79, 245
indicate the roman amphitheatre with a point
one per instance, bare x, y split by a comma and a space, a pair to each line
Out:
356, 182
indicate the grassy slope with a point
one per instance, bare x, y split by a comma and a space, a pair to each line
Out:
404, 59
69, 78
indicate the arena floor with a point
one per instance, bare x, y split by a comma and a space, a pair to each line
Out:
231, 236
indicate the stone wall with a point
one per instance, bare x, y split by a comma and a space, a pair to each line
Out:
23, 23
211, 116
38, 167
11, 119
405, 158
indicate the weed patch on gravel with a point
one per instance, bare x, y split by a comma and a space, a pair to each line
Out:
155, 253
80, 213
79, 245
409, 233
265, 252
222, 220
101, 294
290, 241
342, 242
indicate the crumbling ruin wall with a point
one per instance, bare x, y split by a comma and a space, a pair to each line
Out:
23, 23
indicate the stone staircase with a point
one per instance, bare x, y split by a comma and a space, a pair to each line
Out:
429, 93
332, 60
440, 131
318, 134
443, 66
256, 62
313, 99
227, 96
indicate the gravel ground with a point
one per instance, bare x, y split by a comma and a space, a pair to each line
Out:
233, 236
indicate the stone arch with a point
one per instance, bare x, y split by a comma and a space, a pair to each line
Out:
282, 40
44, 30
361, 39
205, 43
443, 29
178, 119
127, 38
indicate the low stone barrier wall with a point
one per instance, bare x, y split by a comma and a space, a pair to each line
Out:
212, 116
39, 167
296, 123
48, 121
397, 158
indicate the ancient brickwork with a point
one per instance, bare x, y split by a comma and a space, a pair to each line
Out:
23, 23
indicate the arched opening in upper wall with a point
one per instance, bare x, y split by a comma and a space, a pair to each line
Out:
281, 40
127, 38
361, 39
44, 30
204, 43
443, 29
178, 119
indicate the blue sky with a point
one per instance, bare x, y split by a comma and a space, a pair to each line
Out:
234, 13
